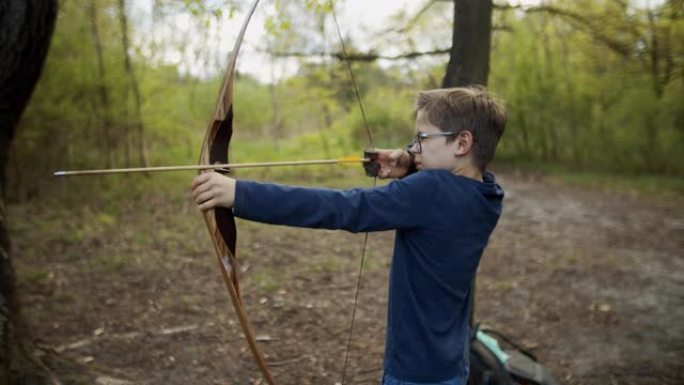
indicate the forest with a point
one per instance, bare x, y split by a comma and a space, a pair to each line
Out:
113, 272
591, 86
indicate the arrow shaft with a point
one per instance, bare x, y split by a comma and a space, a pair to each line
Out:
210, 166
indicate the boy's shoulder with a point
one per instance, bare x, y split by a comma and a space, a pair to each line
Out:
429, 181
438, 176
426, 176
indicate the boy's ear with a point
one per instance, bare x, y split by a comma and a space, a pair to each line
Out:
464, 143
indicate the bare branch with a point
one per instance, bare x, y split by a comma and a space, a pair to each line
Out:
360, 56
412, 22
582, 22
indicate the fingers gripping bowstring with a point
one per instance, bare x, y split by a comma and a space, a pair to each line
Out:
372, 146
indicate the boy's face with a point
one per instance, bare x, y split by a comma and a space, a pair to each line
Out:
435, 151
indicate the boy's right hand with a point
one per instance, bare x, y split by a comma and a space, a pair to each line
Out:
393, 163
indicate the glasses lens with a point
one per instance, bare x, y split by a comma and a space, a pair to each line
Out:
415, 145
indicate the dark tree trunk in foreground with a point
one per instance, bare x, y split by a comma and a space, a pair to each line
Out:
471, 41
25, 30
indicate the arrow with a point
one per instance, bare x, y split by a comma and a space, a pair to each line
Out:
345, 160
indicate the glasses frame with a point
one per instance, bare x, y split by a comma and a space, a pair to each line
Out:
421, 136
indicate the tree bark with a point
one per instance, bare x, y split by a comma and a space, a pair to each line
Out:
102, 90
471, 42
25, 30
133, 83
469, 58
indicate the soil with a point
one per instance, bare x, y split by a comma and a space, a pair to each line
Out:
592, 281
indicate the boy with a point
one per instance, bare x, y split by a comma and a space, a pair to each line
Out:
443, 215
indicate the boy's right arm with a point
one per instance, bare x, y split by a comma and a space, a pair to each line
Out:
394, 163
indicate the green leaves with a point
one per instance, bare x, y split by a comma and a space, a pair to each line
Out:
577, 100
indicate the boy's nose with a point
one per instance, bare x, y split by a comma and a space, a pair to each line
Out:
414, 147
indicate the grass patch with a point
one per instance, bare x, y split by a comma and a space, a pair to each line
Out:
374, 261
266, 281
641, 184
34, 277
111, 264
324, 264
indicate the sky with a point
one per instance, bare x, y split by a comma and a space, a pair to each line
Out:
358, 19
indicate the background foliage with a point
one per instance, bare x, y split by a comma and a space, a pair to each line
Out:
590, 86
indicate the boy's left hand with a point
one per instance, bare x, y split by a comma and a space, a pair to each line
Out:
211, 190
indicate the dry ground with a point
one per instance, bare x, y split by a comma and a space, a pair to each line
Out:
592, 281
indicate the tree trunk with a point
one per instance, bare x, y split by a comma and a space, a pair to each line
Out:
25, 30
103, 92
469, 57
133, 82
471, 41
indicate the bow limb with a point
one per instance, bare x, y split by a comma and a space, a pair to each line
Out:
220, 221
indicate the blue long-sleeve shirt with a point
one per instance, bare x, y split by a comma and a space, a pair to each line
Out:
442, 221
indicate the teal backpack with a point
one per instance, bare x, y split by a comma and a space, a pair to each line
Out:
490, 364
494, 364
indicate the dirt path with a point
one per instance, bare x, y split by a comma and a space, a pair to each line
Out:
592, 281
595, 280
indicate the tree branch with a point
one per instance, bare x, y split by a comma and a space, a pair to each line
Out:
360, 56
620, 47
412, 22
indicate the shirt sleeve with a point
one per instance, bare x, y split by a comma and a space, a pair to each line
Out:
398, 205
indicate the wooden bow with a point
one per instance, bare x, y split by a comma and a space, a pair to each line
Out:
220, 221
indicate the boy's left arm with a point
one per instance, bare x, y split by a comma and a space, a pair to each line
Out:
394, 206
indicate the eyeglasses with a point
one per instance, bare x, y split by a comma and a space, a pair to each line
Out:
421, 136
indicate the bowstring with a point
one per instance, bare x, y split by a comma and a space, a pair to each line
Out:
353, 78
375, 179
